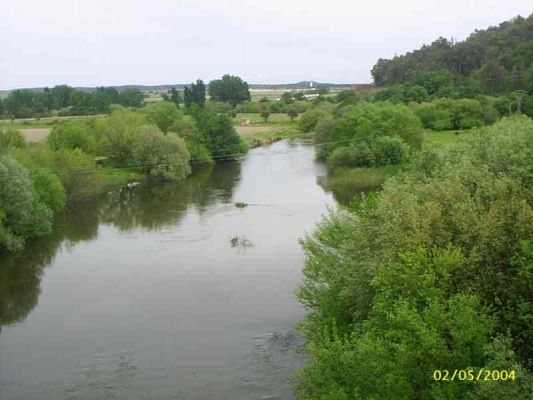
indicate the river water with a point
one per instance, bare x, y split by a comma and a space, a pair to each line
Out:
167, 291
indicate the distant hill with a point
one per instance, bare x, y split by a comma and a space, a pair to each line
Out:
164, 88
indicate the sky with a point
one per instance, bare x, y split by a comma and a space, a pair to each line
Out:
118, 42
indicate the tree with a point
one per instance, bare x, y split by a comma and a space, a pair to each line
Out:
231, 89
118, 133
22, 215
292, 112
220, 136
159, 156
61, 94
175, 97
163, 114
82, 103
287, 97
78, 173
131, 98
371, 121
265, 113
195, 94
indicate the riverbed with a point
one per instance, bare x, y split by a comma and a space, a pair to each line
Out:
167, 291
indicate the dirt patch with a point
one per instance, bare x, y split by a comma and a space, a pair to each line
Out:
248, 130
35, 135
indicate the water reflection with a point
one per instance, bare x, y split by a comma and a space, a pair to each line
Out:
145, 206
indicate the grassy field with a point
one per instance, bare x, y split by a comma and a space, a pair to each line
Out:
445, 137
256, 119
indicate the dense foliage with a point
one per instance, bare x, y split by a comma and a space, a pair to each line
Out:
446, 114
22, 213
494, 60
433, 272
230, 89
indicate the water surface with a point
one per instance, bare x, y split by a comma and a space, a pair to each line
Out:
143, 294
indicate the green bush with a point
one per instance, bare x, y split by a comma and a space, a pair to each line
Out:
310, 118
383, 151
369, 121
432, 272
434, 117
22, 214
323, 132
218, 107
48, 187
390, 150
159, 156
219, 135
10, 139
446, 114
73, 135
163, 114
117, 134
345, 157
78, 174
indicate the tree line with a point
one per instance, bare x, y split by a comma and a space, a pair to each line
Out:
64, 100
491, 61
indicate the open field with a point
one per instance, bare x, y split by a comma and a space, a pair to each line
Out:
35, 135
43, 122
256, 119
445, 137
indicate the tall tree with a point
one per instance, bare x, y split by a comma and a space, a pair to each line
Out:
231, 89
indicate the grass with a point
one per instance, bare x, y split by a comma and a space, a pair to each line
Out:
45, 122
116, 177
256, 119
257, 139
444, 138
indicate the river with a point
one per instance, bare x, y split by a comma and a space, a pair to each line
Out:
167, 291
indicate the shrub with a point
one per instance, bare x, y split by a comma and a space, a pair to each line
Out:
323, 133
370, 121
433, 116
73, 135
446, 114
78, 173
22, 214
310, 118
220, 136
161, 157
390, 150
432, 271
10, 139
48, 187
359, 155
118, 133
218, 107
163, 114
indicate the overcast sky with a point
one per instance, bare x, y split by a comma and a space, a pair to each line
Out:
116, 42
